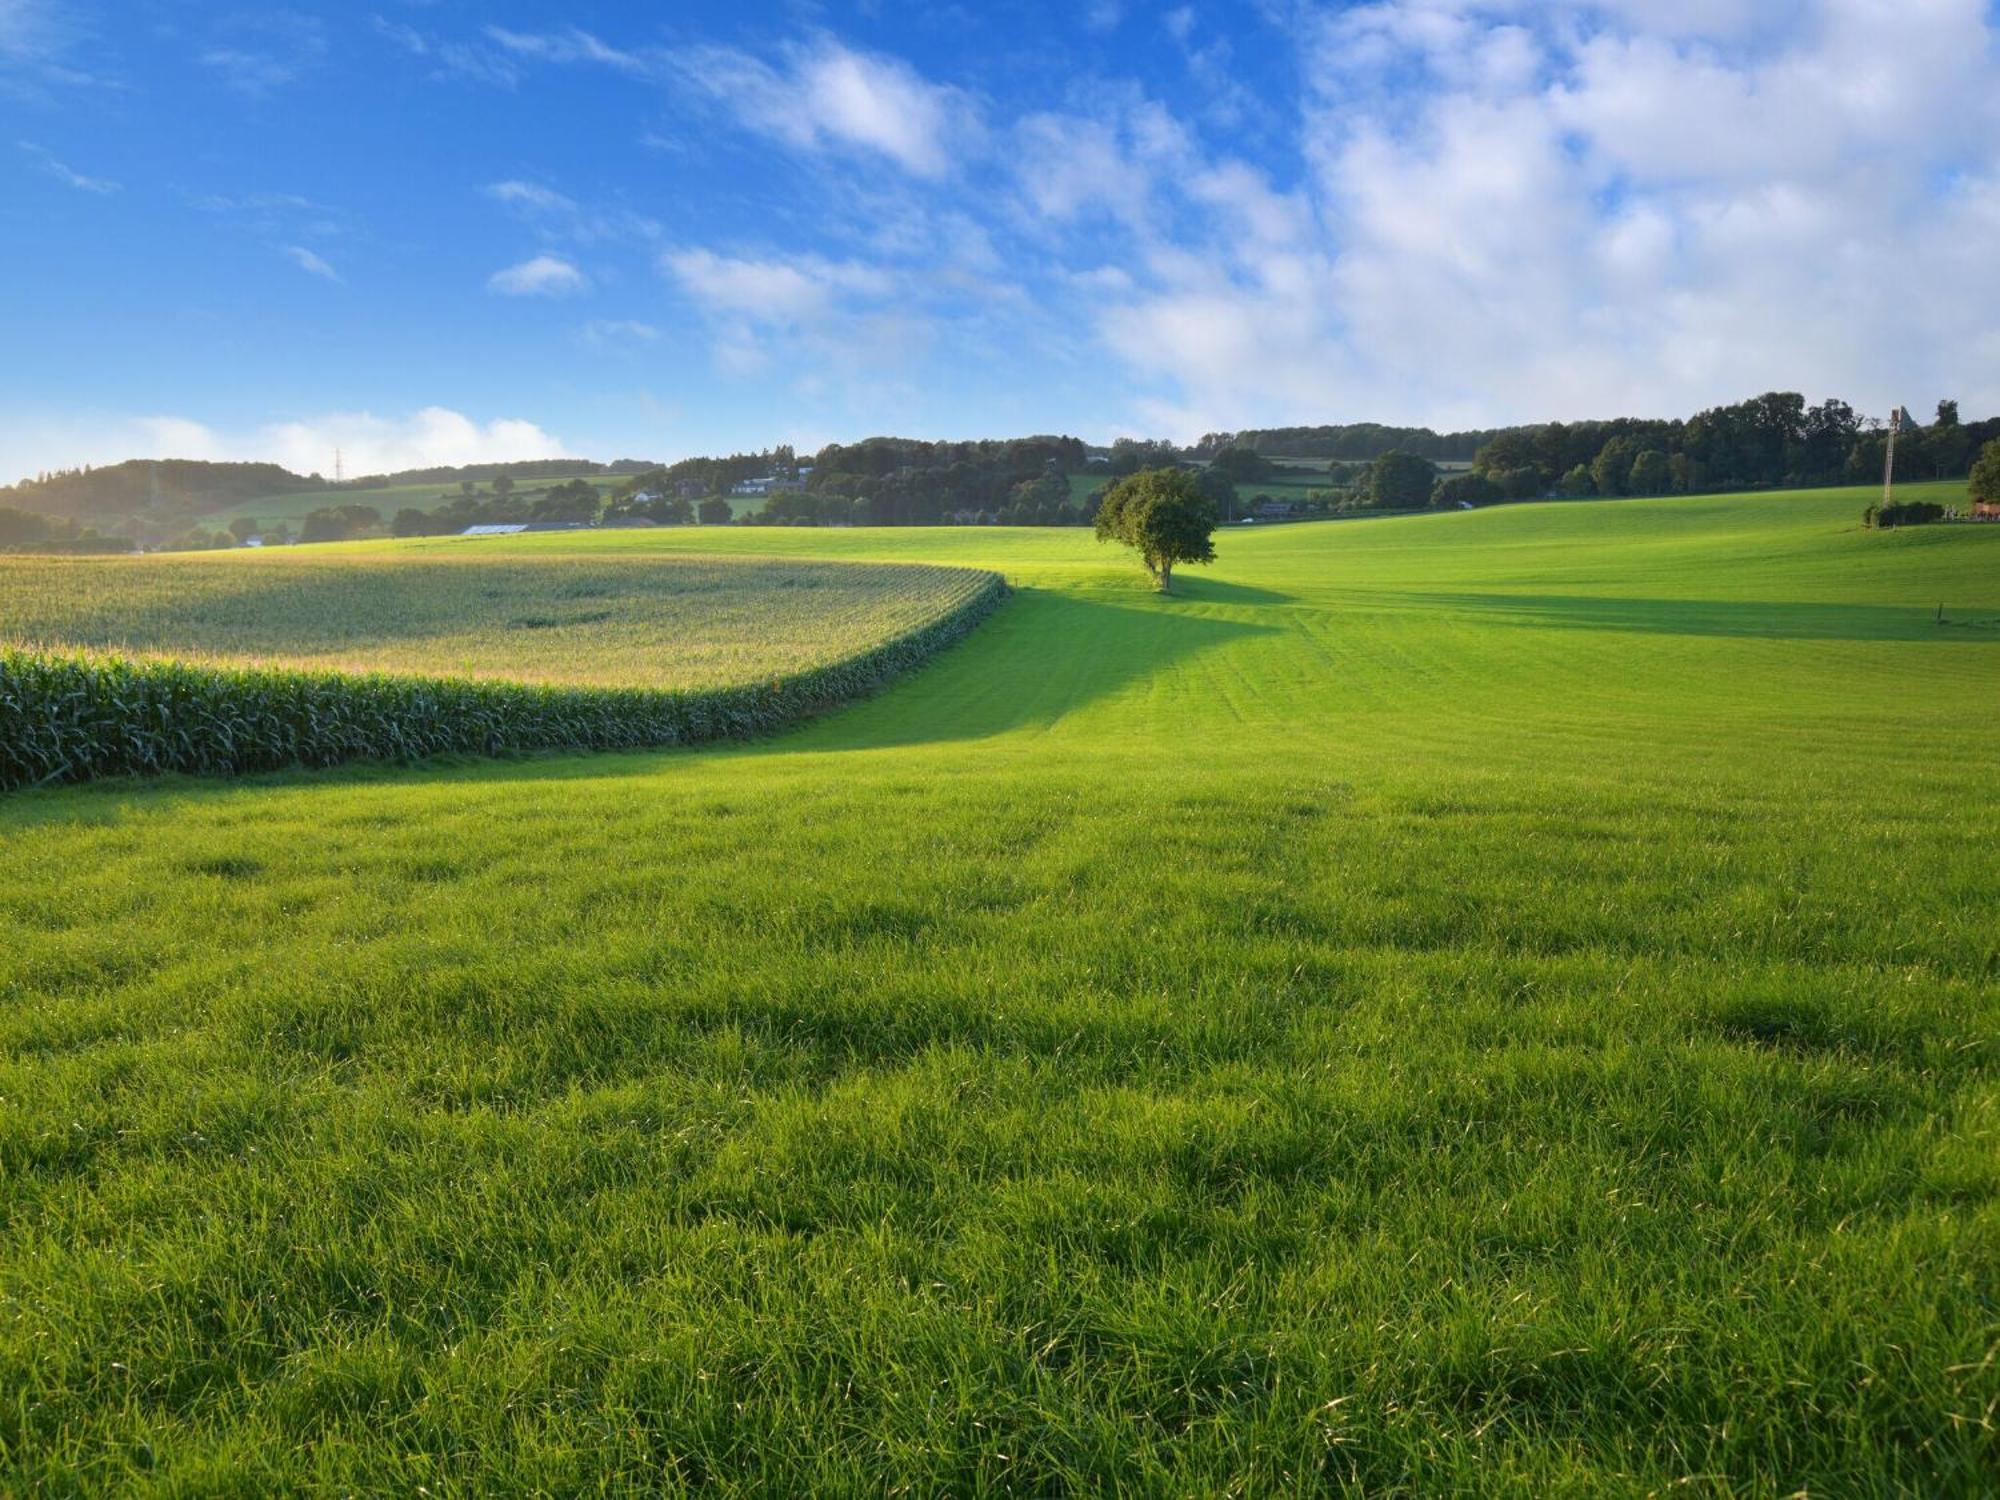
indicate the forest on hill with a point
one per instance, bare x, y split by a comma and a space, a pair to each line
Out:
1769, 441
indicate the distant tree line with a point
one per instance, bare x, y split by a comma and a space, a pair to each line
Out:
158, 485
573, 500
904, 482
1353, 442
163, 502
1775, 440
529, 469
28, 531
1772, 440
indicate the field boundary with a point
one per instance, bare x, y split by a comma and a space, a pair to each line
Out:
69, 717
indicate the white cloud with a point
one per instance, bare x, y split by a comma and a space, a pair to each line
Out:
571, 46
62, 172
37, 40
772, 290
543, 276
252, 73
1112, 164
1103, 15
369, 444
460, 60
23, 23
558, 216
530, 195
175, 437
828, 323
258, 52
1484, 210
428, 438
1562, 211
616, 333
310, 263
824, 95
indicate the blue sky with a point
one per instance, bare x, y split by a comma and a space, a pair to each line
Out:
440, 231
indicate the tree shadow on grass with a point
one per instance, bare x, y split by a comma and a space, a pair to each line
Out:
1741, 618
1199, 588
1043, 656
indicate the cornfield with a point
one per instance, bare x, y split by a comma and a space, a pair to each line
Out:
78, 716
560, 617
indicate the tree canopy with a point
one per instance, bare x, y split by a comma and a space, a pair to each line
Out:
1985, 485
1400, 481
1455, 491
1163, 515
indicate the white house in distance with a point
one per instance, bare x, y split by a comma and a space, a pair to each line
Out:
772, 484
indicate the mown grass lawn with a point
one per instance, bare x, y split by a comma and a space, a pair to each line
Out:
1500, 1003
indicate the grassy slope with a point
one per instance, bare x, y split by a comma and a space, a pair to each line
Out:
610, 620
1500, 1002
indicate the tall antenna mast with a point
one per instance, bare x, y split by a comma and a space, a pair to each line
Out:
1889, 456
340, 468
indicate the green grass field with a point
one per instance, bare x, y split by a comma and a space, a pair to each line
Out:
616, 619
1501, 1003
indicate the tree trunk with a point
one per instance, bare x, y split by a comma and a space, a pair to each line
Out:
1166, 577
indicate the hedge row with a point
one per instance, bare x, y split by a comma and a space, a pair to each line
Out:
78, 718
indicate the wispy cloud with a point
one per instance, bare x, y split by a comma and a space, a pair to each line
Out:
814, 95
543, 276
258, 53
311, 264
62, 172
823, 319
531, 195
557, 216
771, 290
822, 95
617, 333
38, 39
472, 62
574, 46
1103, 15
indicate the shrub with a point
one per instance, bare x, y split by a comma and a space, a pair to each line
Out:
1902, 513
1985, 481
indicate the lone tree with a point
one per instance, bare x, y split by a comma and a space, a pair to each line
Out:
1162, 515
1984, 488
1400, 481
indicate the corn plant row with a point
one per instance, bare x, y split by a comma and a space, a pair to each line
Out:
77, 718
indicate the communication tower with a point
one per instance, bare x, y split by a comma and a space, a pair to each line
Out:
1897, 419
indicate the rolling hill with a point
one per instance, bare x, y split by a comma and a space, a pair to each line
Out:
1504, 1001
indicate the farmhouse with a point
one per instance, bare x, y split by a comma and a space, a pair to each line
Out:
515, 528
770, 484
